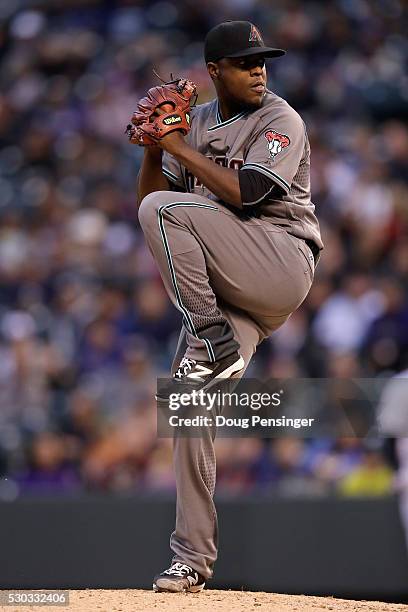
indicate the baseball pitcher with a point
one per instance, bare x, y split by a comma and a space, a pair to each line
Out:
225, 207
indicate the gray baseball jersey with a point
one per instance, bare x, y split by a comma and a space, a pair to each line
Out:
271, 140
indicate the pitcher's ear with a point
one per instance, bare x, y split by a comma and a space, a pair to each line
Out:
213, 70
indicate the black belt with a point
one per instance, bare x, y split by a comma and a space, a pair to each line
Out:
314, 248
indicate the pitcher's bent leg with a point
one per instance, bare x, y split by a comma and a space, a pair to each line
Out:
181, 262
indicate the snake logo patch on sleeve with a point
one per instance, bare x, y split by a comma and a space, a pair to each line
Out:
276, 142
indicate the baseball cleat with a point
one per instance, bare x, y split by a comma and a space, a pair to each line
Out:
194, 375
179, 578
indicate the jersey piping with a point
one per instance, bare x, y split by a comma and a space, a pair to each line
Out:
267, 172
172, 177
220, 123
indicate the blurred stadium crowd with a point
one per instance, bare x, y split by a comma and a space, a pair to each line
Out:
85, 326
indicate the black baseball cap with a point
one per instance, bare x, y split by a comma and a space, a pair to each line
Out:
236, 39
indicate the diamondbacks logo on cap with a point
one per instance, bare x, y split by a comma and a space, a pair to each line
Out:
276, 142
254, 35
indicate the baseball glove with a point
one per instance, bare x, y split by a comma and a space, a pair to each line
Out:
164, 109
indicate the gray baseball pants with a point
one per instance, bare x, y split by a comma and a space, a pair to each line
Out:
235, 281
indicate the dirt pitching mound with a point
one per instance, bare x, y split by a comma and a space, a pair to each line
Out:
129, 600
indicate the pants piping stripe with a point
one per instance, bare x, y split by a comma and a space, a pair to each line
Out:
180, 305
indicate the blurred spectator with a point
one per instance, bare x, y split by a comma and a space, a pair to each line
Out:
50, 469
373, 477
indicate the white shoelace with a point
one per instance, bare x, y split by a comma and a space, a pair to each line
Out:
179, 569
185, 366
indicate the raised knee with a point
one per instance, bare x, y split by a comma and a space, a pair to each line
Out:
150, 205
147, 212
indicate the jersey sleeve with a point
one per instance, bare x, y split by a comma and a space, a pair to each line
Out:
277, 150
172, 170
255, 187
